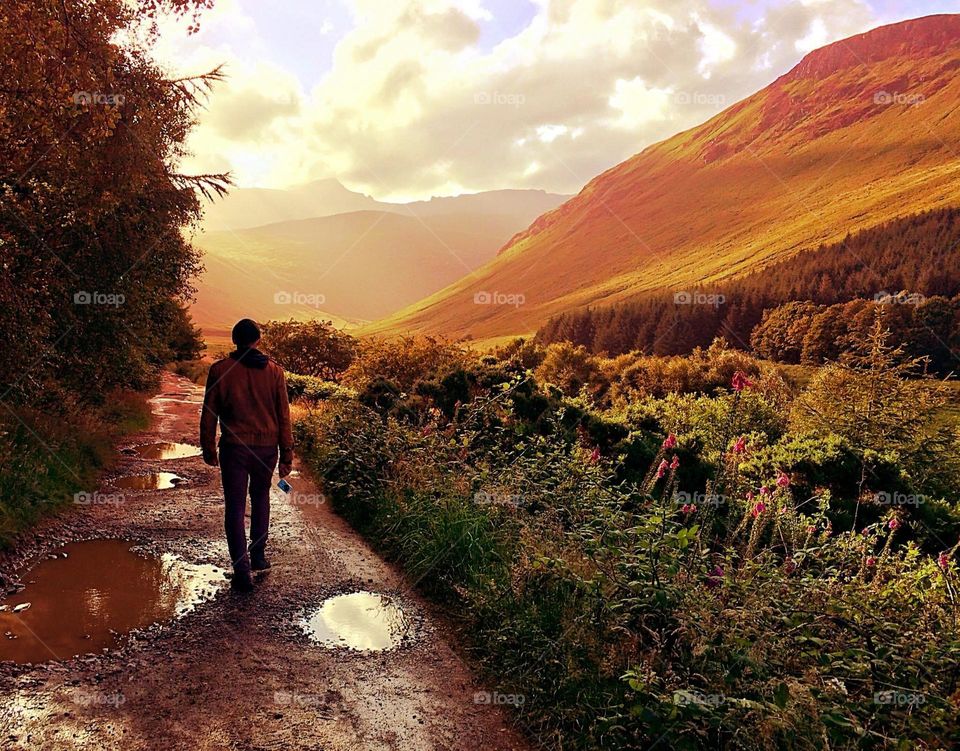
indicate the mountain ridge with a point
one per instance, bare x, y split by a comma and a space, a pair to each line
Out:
801, 162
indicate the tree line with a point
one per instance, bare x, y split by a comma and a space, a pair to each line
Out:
805, 309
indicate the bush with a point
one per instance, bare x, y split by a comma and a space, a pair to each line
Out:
311, 348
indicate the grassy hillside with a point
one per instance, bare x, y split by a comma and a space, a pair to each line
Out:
859, 133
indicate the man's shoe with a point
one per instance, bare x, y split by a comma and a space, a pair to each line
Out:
259, 562
241, 582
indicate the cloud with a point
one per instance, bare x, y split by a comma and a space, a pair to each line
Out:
412, 107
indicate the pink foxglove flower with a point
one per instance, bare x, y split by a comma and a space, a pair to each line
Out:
894, 524
675, 462
740, 381
759, 509
783, 480
669, 442
662, 469
740, 446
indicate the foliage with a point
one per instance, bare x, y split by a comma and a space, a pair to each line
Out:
313, 389
402, 361
310, 348
48, 459
711, 599
909, 265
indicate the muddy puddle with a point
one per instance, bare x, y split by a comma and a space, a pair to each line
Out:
87, 600
150, 481
361, 621
163, 451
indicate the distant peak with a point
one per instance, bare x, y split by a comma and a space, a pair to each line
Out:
920, 37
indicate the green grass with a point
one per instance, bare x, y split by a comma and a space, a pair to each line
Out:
48, 459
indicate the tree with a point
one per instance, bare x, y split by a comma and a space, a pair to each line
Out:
779, 336
313, 348
92, 206
874, 400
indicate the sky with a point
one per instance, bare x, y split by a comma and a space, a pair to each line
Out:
408, 99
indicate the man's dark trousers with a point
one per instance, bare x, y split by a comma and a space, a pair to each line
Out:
241, 466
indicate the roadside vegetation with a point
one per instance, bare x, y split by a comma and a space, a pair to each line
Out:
696, 552
94, 265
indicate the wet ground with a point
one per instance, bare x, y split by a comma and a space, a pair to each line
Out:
222, 670
164, 450
88, 595
362, 621
150, 481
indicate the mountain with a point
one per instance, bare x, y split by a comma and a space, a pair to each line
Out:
244, 208
251, 207
858, 133
354, 266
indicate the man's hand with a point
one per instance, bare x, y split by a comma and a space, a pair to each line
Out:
212, 459
284, 469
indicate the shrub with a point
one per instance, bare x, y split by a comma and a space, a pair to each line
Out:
311, 348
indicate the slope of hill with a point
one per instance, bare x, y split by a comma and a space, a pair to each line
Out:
354, 266
860, 132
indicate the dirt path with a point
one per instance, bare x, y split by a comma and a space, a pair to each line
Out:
237, 673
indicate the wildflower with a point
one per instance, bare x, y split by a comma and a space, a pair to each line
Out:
750, 495
740, 446
943, 561
764, 490
669, 442
759, 509
662, 469
595, 455
675, 462
894, 524
740, 381
783, 480
689, 508
871, 561
811, 529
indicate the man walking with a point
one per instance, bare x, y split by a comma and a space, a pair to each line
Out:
247, 394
